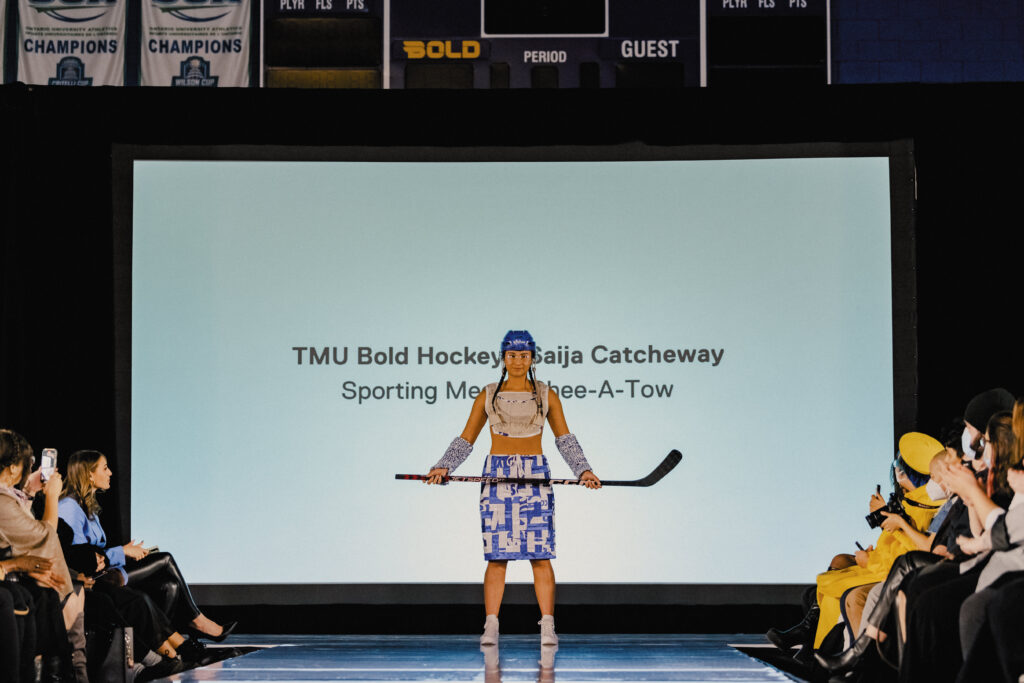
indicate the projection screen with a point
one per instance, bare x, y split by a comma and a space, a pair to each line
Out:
302, 329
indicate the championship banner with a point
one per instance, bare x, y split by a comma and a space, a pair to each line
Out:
71, 42
195, 43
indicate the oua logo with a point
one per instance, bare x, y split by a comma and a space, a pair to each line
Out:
198, 11
73, 11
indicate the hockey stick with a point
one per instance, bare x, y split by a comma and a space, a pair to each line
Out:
666, 466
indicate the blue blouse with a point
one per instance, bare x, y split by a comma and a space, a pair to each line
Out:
90, 531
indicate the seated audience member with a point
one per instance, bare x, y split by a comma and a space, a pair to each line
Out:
910, 470
951, 522
159, 650
857, 600
978, 412
58, 614
933, 599
155, 574
948, 523
992, 619
909, 473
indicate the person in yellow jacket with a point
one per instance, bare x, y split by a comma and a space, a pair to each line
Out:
916, 451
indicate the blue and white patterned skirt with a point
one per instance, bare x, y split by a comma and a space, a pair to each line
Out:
518, 521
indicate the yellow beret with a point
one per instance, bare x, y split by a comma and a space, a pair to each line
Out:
917, 450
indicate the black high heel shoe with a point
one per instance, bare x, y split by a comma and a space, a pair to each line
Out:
225, 632
844, 661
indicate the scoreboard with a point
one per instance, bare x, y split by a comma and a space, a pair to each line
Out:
544, 43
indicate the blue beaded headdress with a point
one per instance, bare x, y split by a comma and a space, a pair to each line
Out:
518, 340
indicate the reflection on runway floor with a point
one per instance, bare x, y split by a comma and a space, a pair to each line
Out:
604, 658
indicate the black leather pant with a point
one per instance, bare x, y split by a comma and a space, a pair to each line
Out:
904, 566
158, 575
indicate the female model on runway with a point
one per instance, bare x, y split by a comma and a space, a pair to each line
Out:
517, 521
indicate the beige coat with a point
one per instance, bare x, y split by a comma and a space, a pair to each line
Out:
26, 535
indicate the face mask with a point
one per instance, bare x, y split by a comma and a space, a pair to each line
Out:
935, 490
965, 443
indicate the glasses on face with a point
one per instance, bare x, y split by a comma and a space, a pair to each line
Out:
511, 355
982, 443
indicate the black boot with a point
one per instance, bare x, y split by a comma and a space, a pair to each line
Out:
796, 635
844, 661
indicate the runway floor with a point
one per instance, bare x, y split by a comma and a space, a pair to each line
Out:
599, 658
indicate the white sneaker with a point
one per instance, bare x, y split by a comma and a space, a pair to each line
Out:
490, 636
547, 630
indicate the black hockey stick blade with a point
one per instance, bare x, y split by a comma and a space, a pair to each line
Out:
666, 466
673, 458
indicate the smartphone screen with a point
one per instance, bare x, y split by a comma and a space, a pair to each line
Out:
48, 465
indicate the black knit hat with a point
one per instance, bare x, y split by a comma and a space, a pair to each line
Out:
986, 404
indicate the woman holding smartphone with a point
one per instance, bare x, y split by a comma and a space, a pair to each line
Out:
35, 548
517, 521
155, 574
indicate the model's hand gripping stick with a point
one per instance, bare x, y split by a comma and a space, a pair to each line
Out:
666, 466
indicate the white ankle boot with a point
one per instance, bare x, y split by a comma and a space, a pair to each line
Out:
547, 630
490, 636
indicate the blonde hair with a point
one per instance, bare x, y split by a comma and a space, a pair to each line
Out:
78, 484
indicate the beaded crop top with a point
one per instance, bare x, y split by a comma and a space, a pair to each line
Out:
514, 413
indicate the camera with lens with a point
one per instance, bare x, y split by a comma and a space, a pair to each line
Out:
894, 506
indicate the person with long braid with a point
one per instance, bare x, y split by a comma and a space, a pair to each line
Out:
517, 521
